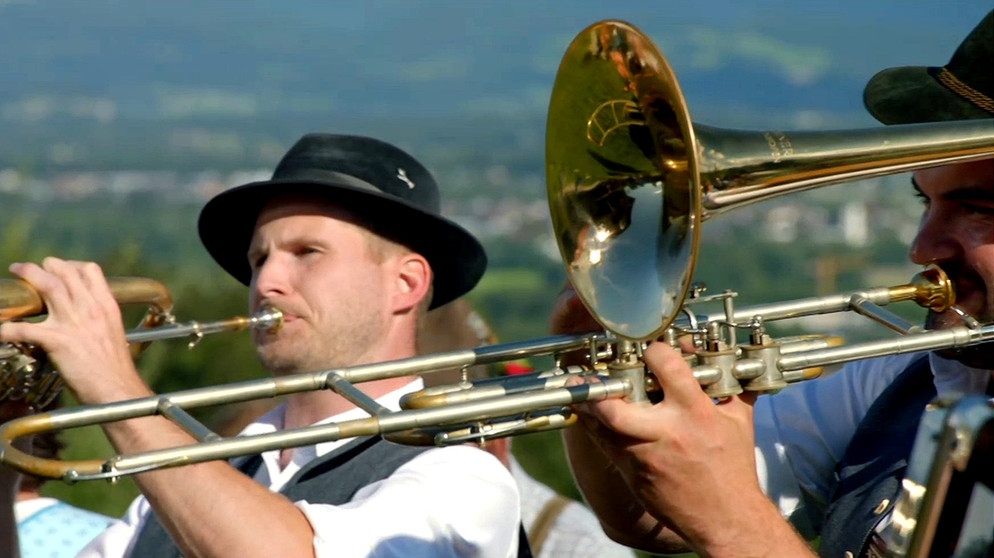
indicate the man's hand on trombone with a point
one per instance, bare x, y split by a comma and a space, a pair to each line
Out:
83, 333
683, 468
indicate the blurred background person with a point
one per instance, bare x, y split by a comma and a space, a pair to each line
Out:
557, 526
48, 527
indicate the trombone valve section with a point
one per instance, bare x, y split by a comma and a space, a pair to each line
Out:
725, 367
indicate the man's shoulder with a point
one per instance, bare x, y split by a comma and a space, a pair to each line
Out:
462, 467
459, 455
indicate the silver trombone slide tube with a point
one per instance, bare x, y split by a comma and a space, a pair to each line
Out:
949, 338
796, 358
784, 310
930, 288
883, 316
386, 423
168, 405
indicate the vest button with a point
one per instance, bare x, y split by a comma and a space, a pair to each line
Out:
881, 507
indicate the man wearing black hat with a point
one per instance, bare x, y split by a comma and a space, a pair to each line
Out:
346, 240
829, 455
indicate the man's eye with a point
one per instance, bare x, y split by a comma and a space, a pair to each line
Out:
307, 251
923, 199
979, 209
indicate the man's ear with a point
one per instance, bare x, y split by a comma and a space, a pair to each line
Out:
412, 280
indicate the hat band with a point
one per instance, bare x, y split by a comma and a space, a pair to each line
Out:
952, 83
321, 175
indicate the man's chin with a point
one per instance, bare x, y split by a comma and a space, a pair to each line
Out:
975, 356
276, 363
944, 320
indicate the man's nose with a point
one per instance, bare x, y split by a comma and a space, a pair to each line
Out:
935, 241
270, 278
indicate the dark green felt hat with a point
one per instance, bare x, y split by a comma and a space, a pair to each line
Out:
394, 195
963, 89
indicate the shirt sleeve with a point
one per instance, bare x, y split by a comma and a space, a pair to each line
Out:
802, 433
120, 535
446, 502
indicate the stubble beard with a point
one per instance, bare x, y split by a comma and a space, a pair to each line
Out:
285, 359
980, 355
967, 280
316, 351
281, 361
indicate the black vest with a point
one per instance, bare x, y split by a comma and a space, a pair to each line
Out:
331, 479
869, 476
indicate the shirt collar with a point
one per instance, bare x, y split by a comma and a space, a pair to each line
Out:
272, 421
953, 378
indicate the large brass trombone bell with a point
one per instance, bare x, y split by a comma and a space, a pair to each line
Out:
631, 177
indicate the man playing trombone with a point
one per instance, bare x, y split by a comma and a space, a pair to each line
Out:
827, 454
347, 242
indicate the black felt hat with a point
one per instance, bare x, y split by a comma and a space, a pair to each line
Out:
390, 191
963, 89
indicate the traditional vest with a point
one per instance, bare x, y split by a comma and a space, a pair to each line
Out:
331, 479
869, 476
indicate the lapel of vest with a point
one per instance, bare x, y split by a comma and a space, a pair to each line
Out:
869, 475
360, 462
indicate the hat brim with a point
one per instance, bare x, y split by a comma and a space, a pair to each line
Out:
227, 223
910, 94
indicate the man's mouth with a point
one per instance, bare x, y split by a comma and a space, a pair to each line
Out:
971, 294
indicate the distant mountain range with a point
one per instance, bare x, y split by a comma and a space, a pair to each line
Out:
111, 70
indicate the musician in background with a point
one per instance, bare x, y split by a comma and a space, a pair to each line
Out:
828, 455
347, 241
48, 527
556, 526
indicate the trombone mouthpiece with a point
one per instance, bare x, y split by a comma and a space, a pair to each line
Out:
268, 318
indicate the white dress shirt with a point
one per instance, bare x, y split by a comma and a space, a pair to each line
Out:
574, 533
803, 431
446, 502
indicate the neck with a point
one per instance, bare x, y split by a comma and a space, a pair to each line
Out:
398, 342
305, 409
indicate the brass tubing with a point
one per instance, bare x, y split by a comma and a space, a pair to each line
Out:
930, 288
484, 408
236, 446
245, 391
18, 299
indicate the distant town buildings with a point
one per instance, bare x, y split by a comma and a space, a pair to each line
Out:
853, 214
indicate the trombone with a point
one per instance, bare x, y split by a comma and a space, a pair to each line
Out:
630, 180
